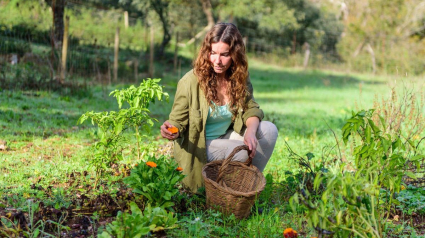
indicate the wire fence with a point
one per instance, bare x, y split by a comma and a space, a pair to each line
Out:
109, 45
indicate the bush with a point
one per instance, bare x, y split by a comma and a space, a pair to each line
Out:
14, 47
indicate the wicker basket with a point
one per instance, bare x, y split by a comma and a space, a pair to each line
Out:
232, 187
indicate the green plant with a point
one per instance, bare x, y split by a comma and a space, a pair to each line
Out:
11, 225
139, 100
156, 180
12, 46
412, 200
376, 148
112, 124
138, 223
350, 202
58, 199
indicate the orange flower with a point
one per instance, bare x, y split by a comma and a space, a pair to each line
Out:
151, 164
179, 169
290, 233
173, 129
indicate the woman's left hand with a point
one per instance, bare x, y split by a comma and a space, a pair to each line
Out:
251, 141
250, 138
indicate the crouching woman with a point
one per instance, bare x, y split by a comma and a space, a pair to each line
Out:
214, 109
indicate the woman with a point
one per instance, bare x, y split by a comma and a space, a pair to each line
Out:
214, 109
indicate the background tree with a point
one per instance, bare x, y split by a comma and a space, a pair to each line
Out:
58, 9
285, 24
384, 30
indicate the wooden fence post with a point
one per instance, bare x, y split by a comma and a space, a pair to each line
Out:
151, 55
64, 48
126, 19
306, 54
176, 52
116, 49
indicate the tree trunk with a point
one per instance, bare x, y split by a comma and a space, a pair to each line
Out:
58, 8
206, 7
372, 56
358, 49
161, 8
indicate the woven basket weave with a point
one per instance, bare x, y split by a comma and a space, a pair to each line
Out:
231, 186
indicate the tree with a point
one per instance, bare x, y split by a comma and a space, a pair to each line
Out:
161, 8
269, 14
287, 24
386, 30
58, 9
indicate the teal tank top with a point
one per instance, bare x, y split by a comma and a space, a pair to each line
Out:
217, 122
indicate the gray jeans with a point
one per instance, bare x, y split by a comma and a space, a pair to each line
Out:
220, 148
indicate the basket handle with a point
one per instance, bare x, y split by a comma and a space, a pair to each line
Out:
227, 161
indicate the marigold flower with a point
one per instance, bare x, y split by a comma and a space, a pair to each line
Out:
151, 164
290, 233
173, 129
179, 169
403, 187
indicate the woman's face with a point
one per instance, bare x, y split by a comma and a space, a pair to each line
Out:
220, 57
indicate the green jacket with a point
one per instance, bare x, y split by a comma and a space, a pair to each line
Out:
189, 115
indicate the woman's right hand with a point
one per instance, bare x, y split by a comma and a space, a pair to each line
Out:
168, 134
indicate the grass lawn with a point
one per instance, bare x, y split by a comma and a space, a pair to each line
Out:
48, 154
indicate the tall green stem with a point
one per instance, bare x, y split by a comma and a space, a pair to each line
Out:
138, 145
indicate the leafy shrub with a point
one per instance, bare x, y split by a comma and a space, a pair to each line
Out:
412, 200
350, 203
156, 180
112, 124
138, 223
31, 33
13, 46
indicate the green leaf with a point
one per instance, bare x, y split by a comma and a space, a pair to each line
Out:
167, 204
374, 127
411, 175
310, 155
362, 113
364, 149
382, 121
352, 120
417, 157
396, 144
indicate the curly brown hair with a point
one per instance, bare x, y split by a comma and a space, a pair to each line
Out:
237, 73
